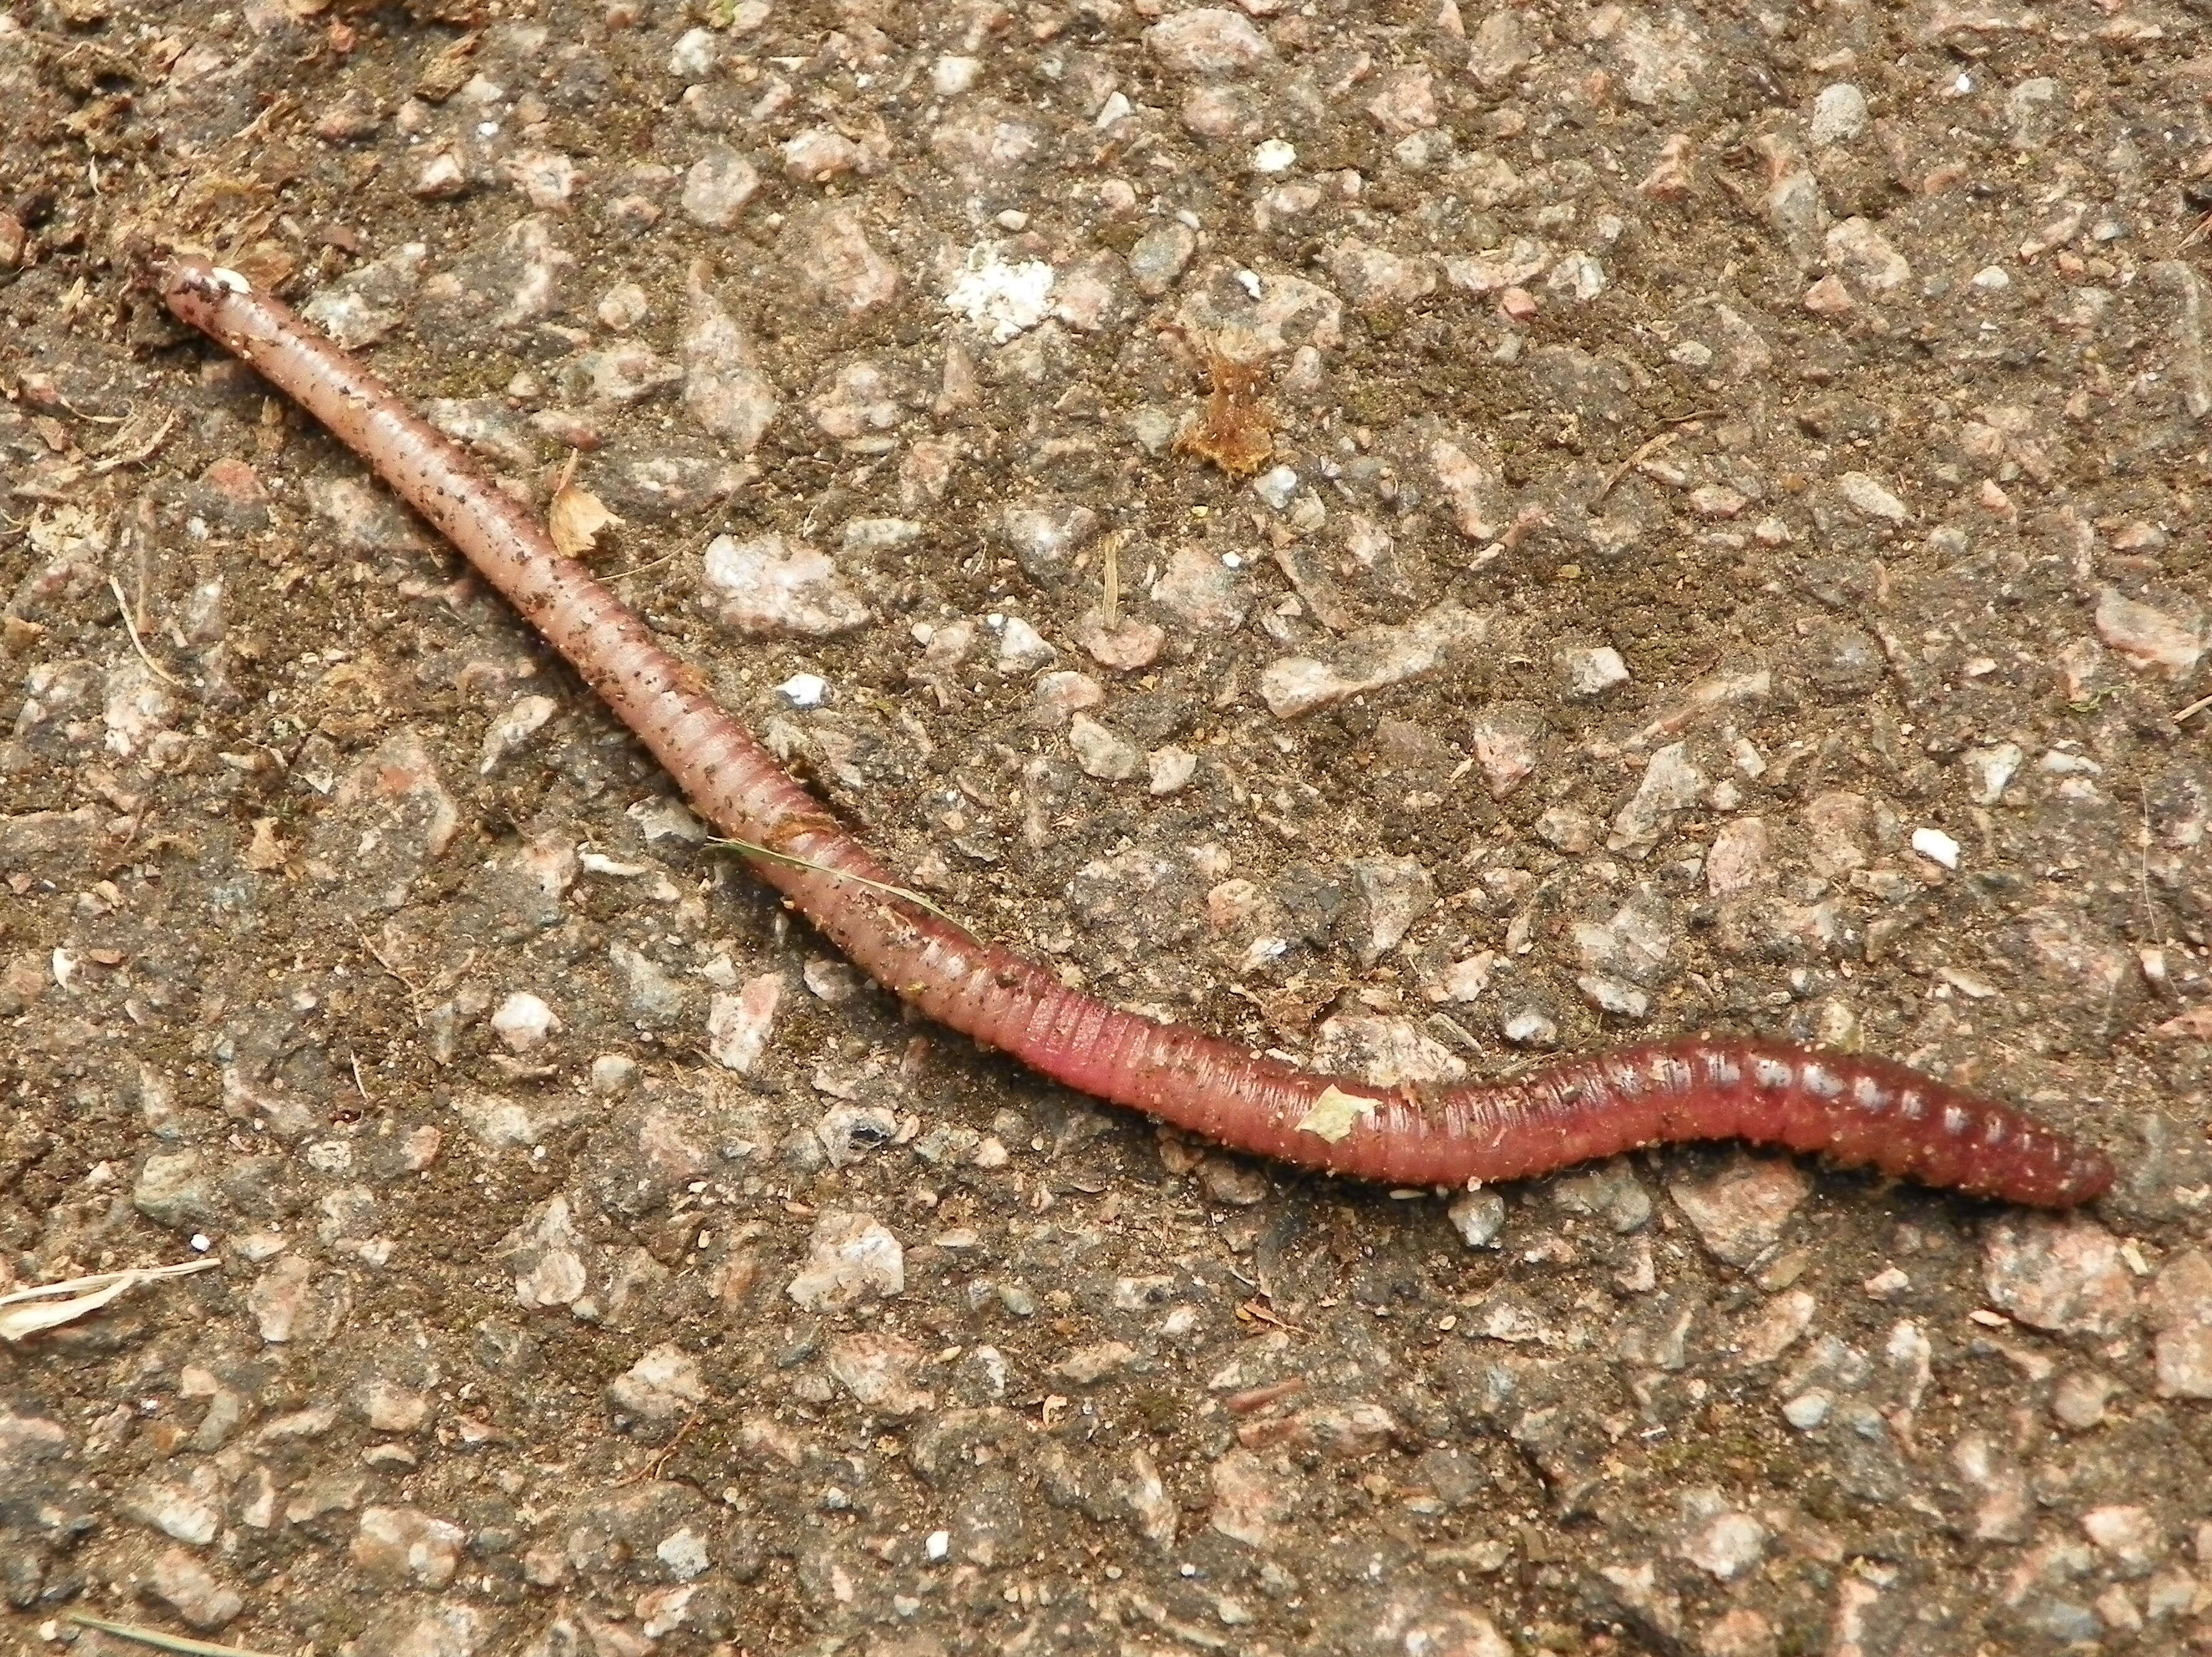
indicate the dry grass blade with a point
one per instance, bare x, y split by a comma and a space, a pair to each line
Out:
907, 893
130, 627
27, 1311
156, 1638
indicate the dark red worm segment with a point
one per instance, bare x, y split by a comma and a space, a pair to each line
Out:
1858, 1112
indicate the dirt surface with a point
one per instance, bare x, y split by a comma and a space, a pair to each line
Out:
1724, 553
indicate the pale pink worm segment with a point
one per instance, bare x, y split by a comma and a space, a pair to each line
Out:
1856, 1110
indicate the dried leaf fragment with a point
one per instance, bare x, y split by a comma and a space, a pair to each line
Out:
2196, 1024
266, 265
1232, 430
1335, 1114
576, 518
266, 854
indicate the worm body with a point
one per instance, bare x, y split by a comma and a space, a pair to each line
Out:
1857, 1111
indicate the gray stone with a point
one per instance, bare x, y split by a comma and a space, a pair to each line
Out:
2064, 1275
1671, 784
1207, 40
1839, 114
1743, 1211
852, 1258
767, 585
717, 188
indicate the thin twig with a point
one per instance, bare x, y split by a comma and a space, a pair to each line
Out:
1652, 447
2196, 707
136, 643
414, 995
454, 973
79, 414
144, 449
156, 1638
655, 1463
764, 852
640, 569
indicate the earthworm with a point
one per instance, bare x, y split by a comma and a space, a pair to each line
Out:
1857, 1111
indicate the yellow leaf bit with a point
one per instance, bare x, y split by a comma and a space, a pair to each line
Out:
1336, 1113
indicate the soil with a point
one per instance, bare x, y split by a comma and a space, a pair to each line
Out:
1811, 406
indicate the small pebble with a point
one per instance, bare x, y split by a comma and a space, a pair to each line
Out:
1276, 486
1936, 846
614, 1073
1479, 1217
524, 1022
717, 188
1529, 1027
1593, 670
1839, 114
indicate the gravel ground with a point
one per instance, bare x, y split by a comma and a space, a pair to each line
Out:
1415, 534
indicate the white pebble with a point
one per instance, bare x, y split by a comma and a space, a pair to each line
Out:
806, 689
939, 1545
511, 729
694, 55
1839, 114
1936, 846
1993, 770
523, 1022
1592, 672
1022, 649
1869, 497
1529, 1028
1276, 486
1273, 156
1172, 768
1477, 1216
1808, 1410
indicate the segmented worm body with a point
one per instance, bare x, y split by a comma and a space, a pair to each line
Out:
1857, 1111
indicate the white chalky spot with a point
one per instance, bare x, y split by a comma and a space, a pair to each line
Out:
1936, 846
1002, 297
